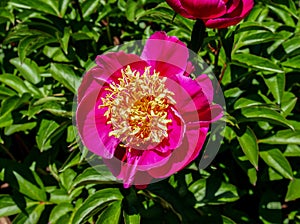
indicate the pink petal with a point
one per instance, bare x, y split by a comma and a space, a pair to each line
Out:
206, 85
189, 96
151, 158
193, 134
89, 83
112, 62
176, 131
176, 5
190, 148
167, 55
233, 5
189, 69
233, 17
128, 170
89, 120
204, 9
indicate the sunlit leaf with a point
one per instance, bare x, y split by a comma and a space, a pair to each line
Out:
95, 202
275, 159
249, 145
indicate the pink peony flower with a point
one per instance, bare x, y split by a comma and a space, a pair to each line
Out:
142, 114
214, 13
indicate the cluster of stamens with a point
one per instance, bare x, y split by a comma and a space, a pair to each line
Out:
137, 107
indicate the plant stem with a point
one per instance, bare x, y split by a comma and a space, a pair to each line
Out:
198, 35
8, 152
77, 5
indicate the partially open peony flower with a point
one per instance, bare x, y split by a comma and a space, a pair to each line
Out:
214, 13
142, 114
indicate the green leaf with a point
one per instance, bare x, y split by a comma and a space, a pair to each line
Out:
111, 214
19, 127
275, 159
249, 145
6, 15
63, 6
260, 37
289, 101
65, 40
252, 175
283, 137
227, 220
98, 174
292, 151
4, 92
66, 76
47, 128
95, 202
73, 160
212, 191
131, 10
8, 105
6, 120
245, 102
276, 84
14, 82
39, 5
28, 69
89, 7
293, 62
29, 189
31, 216
256, 62
264, 114
58, 196
245, 164
291, 45
67, 178
30, 43
293, 192
285, 15
8, 206
274, 175
58, 211
132, 219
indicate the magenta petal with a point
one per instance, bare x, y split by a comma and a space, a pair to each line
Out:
204, 9
233, 5
89, 83
233, 17
112, 62
129, 169
211, 114
177, 6
88, 122
189, 69
183, 155
152, 158
176, 132
206, 86
167, 55
189, 96
193, 134
161, 35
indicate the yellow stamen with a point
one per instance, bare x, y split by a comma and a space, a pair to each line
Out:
137, 107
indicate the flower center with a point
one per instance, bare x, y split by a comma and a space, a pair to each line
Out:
138, 107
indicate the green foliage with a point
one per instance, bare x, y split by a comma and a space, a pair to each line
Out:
45, 48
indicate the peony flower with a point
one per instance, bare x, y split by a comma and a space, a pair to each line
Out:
214, 13
142, 114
